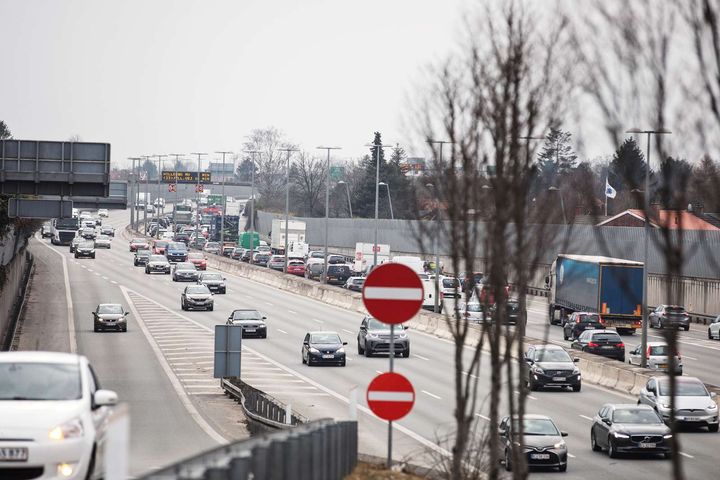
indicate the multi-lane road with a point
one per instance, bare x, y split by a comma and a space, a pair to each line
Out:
162, 366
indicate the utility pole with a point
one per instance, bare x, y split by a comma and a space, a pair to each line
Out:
287, 201
252, 201
133, 192
377, 194
177, 159
327, 208
197, 198
222, 218
157, 210
147, 193
438, 169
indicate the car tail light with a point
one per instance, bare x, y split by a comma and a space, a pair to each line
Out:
648, 352
577, 320
602, 322
592, 344
620, 345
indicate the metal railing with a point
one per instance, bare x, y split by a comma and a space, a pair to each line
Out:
260, 406
321, 450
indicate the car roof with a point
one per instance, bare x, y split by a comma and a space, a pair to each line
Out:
110, 305
628, 406
40, 357
656, 344
600, 330
549, 347
535, 416
323, 331
682, 379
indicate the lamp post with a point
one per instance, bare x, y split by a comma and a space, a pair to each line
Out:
383, 184
287, 201
252, 201
562, 202
197, 198
133, 193
327, 209
147, 192
660, 131
436, 307
347, 189
222, 217
177, 160
377, 194
157, 210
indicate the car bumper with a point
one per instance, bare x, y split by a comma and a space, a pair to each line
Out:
186, 278
557, 380
80, 253
203, 304
337, 358
692, 420
44, 459
611, 353
116, 324
279, 268
554, 459
176, 258
215, 288
151, 269
336, 280
254, 331
383, 346
628, 446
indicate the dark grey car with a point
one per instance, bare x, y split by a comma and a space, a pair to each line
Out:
669, 316
197, 297
629, 429
157, 263
543, 442
551, 366
374, 337
184, 272
252, 322
214, 281
110, 316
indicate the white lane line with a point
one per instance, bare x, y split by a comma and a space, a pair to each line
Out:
293, 312
282, 331
586, 417
105, 278
379, 372
68, 301
421, 357
90, 270
431, 394
471, 375
317, 321
517, 392
113, 282
689, 358
487, 419
571, 455
269, 304
686, 455
348, 331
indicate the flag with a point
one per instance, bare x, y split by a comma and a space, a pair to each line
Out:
609, 190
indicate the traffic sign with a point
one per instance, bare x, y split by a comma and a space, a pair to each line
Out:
393, 293
199, 188
171, 187
390, 396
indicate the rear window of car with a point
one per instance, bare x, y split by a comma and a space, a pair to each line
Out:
177, 246
450, 282
606, 337
338, 269
157, 258
675, 309
212, 276
589, 318
659, 350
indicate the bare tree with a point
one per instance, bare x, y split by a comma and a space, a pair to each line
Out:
307, 175
271, 163
507, 88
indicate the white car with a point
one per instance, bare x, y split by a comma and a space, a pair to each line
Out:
714, 328
102, 241
54, 415
103, 212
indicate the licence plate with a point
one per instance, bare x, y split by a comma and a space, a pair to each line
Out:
250, 330
14, 454
662, 365
558, 379
328, 356
540, 456
607, 347
647, 445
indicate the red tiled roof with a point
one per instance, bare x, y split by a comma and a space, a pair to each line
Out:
675, 219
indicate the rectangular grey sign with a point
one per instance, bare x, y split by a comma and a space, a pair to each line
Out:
228, 345
40, 209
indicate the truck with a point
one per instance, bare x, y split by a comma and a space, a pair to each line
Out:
298, 250
143, 199
182, 214
247, 237
296, 233
364, 256
612, 287
231, 224
63, 230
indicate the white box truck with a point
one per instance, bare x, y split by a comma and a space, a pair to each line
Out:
296, 233
364, 256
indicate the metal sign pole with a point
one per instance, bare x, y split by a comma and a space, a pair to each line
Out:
390, 427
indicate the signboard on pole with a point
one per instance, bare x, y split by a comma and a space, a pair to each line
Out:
168, 176
228, 345
393, 293
390, 396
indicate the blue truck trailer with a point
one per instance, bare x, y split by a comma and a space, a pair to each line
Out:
611, 287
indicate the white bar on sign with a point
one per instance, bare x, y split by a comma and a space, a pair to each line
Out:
392, 293
391, 396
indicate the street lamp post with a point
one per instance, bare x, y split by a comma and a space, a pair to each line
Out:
327, 209
562, 202
287, 201
252, 201
197, 199
383, 184
133, 193
437, 223
347, 189
224, 204
177, 160
147, 193
660, 131
377, 194
157, 210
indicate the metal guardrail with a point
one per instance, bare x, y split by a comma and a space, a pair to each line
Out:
260, 406
321, 450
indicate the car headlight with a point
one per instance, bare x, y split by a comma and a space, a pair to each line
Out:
669, 435
70, 429
314, 350
372, 335
222, 284
340, 350
576, 371
620, 435
537, 369
712, 406
665, 405
402, 335
559, 445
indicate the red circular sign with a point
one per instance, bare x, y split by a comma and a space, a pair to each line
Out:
393, 293
390, 396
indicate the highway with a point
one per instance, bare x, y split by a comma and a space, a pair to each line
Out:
166, 349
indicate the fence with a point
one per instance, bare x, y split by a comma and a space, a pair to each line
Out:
260, 406
321, 450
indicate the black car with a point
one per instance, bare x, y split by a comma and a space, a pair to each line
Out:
261, 259
338, 274
252, 322
542, 441
185, 272
578, 322
75, 242
313, 270
182, 237
247, 254
196, 296
157, 263
606, 343
85, 249
109, 316
512, 312
323, 347
214, 281
374, 337
141, 257
551, 366
630, 429
237, 253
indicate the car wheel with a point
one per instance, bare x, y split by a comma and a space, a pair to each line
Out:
124, 329
91, 466
302, 357
577, 388
508, 465
360, 349
660, 324
406, 352
593, 442
342, 364
686, 327
565, 336
368, 352
563, 467
534, 386
96, 328
714, 427
93, 256
174, 279
211, 308
709, 335
612, 453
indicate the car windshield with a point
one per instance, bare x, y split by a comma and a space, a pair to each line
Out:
316, 255
358, 281
177, 246
39, 381
539, 426
103, 237
185, 266
112, 309
197, 289
212, 276
195, 256
636, 415
161, 244
87, 245
246, 315
374, 324
552, 355
324, 338
683, 389
589, 318
137, 240
338, 268
158, 258
212, 245
512, 307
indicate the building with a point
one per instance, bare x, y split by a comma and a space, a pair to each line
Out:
217, 173
413, 166
673, 219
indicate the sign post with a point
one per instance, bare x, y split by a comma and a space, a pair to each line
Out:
392, 293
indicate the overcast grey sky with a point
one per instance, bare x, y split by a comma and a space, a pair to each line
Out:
167, 76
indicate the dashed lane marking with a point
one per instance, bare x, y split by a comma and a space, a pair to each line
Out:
431, 395
487, 419
282, 331
586, 417
421, 357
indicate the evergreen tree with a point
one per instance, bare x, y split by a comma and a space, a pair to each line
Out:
364, 196
627, 168
243, 172
5, 133
703, 185
556, 160
674, 178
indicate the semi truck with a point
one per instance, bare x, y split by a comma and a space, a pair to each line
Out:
182, 214
609, 286
296, 233
365, 255
63, 230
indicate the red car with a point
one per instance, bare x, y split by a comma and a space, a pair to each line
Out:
159, 247
138, 244
197, 259
296, 267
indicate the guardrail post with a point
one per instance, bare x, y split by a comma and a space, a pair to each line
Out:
316, 444
240, 468
305, 450
259, 460
215, 473
279, 461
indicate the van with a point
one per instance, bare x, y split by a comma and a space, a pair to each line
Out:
414, 263
314, 269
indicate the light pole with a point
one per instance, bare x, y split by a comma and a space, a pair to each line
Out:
157, 210
222, 218
660, 131
177, 160
287, 201
327, 208
562, 202
133, 193
377, 148
252, 201
347, 189
197, 198
438, 170
147, 193
383, 184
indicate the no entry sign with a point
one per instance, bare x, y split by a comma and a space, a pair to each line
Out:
390, 396
393, 293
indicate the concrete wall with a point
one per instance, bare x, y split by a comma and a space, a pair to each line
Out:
10, 291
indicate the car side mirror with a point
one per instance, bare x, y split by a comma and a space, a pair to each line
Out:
563, 434
606, 421
713, 394
344, 343
306, 342
264, 318
126, 314
576, 360
502, 432
529, 360
650, 393
104, 398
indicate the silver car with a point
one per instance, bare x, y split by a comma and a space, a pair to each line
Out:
102, 241
657, 357
694, 405
473, 311
197, 296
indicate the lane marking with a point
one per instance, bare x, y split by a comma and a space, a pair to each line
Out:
379, 372
571, 455
421, 357
686, 455
487, 419
282, 331
105, 278
292, 312
113, 282
689, 358
68, 300
317, 321
348, 331
431, 394
586, 417
269, 304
